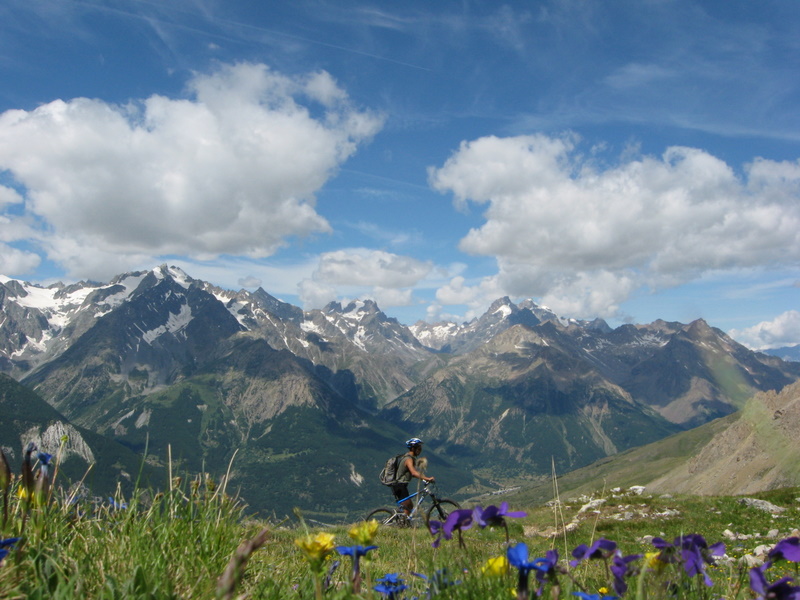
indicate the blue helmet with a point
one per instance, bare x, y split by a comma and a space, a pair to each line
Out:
413, 442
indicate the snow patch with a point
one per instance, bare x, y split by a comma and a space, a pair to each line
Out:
174, 324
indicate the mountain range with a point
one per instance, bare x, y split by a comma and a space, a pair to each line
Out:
303, 407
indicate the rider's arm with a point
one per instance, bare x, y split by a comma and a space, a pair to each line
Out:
414, 473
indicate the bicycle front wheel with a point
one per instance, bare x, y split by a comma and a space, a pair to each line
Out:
388, 517
440, 510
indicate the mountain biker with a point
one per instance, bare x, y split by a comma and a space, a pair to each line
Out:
406, 469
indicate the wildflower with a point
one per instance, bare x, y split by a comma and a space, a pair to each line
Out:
518, 557
390, 585
117, 505
356, 552
6, 546
586, 596
653, 562
695, 553
787, 549
438, 582
602, 548
316, 547
437, 530
44, 463
493, 516
780, 590
620, 569
458, 520
496, 566
364, 532
546, 569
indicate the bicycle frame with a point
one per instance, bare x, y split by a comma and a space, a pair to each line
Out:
424, 493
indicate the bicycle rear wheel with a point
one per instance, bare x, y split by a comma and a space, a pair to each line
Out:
440, 510
388, 517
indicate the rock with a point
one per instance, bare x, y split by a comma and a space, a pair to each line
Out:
592, 505
761, 505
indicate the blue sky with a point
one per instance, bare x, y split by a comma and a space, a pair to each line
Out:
631, 160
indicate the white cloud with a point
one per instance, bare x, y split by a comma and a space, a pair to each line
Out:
15, 262
233, 169
9, 196
584, 238
249, 282
783, 330
364, 273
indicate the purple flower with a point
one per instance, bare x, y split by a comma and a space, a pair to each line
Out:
493, 516
695, 553
788, 549
780, 590
601, 548
546, 568
621, 568
458, 520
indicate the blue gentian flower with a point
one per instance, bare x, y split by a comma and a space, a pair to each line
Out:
438, 582
390, 585
44, 463
601, 548
6, 546
788, 549
354, 551
586, 596
518, 558
117, 505
780, 590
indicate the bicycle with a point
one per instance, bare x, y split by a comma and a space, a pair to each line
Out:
396, 517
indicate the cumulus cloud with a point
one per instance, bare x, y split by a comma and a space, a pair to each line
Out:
250, 282
584, 238
783, 330
366, 273
16, 262
231, 169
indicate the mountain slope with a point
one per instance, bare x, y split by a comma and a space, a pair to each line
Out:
752, 450
84, 455
521, 400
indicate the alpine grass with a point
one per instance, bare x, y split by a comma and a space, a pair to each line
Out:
194, 540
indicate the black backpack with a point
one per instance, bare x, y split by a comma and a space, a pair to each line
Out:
388, 474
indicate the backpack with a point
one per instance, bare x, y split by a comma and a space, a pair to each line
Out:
388, 474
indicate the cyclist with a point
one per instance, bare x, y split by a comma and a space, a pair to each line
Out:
406, 469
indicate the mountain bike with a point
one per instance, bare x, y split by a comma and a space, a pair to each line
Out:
396, 516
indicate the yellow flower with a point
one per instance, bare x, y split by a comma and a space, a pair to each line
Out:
603, 591
364, 532
316, 547
495, 567
652, 561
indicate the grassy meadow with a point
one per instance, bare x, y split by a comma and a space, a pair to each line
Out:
193, 540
